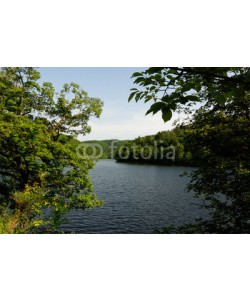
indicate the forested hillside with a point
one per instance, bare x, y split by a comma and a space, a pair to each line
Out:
165, 147
107, 147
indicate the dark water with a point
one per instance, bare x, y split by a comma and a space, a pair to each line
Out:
138, 199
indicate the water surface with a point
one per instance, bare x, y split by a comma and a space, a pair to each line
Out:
138, 199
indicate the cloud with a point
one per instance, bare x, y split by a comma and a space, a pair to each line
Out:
135, 125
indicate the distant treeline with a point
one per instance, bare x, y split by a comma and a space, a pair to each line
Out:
103, 149
166, 148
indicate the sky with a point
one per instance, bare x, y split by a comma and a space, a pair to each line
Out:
120, 119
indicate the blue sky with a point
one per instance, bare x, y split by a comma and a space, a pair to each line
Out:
120, 119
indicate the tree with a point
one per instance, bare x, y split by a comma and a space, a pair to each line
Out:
218, 134
41, 176
223, 139
181, 88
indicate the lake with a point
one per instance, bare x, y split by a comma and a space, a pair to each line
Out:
138, 199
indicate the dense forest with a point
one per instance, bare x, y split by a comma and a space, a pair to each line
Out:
165, 147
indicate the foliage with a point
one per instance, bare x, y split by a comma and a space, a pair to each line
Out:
107, 147
222, 136
164, 148
172, 88
218, 135
41, 176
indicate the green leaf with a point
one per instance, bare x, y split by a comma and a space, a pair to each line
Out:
156, 107
183, 100
154, 70
187, 87
158, 77
220, 99
166, 99
171, 71
148, 98
136, 74
192, 98
131, 96
147, 81
198, 87
139, 79
138, 95
170, 77
166, 115
173, 106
